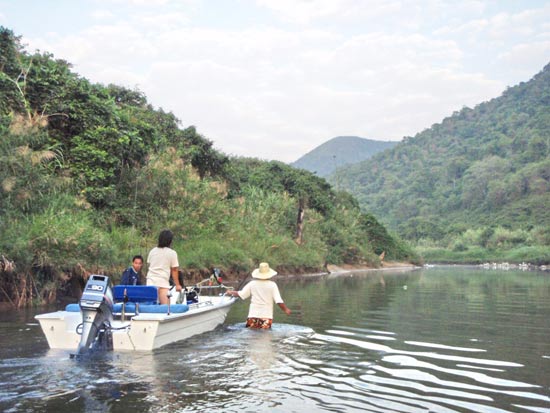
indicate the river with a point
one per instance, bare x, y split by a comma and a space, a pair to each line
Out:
446, 339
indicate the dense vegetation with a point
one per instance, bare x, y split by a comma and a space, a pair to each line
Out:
89, 175
473, 187
338, 152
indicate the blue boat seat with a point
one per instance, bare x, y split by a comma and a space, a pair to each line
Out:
163, 308
136, 293
145, 295
129, 309
143, 308
73, 308
117, 308
150, 308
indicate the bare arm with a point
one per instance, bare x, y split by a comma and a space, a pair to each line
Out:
283, 307
174, 271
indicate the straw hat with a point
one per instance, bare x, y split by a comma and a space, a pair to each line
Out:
263, 272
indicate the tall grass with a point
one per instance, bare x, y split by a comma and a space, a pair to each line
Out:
536, 255
56, 239
490, 244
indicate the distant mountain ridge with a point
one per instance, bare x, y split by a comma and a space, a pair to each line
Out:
485, 167
340, 151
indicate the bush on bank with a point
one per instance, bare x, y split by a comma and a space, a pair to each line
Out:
90, 174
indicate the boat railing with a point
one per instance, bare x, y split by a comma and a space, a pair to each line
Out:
211, 286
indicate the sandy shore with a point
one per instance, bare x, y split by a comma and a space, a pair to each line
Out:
388, 265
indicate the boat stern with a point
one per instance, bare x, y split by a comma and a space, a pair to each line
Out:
60, 328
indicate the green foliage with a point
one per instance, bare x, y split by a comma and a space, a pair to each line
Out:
382, 242
90, 174
536, 255
10, 71
203, 158
274, 176
100, 130
480, 168
26, 182
489, 244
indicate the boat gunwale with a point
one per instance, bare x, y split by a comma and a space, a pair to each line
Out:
160, 317
164, 317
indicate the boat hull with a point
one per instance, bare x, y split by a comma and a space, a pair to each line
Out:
143, 332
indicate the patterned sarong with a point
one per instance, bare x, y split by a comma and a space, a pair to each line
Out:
254, 322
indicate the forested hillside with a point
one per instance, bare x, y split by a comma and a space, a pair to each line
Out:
340, 151
480, 178
89, 175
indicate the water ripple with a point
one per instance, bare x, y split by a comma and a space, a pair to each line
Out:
380, 379
385, 349
449, 343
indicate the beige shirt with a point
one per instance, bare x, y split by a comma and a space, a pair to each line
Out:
161, 261
264, 293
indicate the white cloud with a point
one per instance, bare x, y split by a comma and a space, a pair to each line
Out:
265, 97
527, 55
102, 14
393, 14
304, 12
501, 27
382, 70
139, 3
166, 21
309, 11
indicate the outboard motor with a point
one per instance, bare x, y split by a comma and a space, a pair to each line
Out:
96, 306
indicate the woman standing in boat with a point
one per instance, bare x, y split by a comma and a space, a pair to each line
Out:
163, 263
264, 293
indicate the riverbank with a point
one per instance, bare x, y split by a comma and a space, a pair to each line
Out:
330, 270
386, 265
475, 255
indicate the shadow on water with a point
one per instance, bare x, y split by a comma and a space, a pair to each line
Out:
431, 340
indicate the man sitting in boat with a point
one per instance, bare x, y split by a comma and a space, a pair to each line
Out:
163, 263
264, 293
132, 274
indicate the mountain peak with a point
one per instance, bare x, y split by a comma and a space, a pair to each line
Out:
340, 151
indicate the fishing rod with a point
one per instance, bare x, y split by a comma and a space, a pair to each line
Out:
242, 283
238, 288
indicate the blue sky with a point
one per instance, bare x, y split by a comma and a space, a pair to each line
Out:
274, 79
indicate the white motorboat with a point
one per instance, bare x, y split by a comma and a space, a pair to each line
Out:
129, 318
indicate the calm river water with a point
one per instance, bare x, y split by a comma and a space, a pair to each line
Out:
430, 340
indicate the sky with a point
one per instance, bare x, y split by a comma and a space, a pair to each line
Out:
273, 79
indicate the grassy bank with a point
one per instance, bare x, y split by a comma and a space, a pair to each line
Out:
537, 255
90, 174
53, 237
489, 244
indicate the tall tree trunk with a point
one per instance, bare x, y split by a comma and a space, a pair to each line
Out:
300, 223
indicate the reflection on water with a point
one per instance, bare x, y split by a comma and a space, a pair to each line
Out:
438, 340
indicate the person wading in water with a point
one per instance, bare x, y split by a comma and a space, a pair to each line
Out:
263, 293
